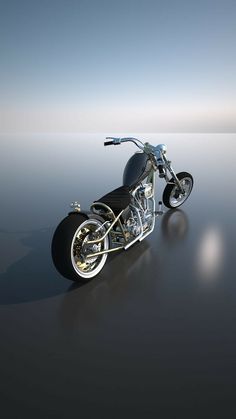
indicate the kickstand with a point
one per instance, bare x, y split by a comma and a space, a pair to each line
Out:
160, 210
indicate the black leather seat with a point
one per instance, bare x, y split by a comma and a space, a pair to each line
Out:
117, 200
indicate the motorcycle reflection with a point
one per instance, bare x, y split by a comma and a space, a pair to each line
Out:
174, 226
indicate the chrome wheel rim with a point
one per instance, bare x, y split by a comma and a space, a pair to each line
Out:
177, 199
87, 267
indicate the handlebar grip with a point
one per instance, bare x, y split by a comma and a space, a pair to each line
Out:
108, 143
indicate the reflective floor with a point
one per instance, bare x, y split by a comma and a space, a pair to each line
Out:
153, 335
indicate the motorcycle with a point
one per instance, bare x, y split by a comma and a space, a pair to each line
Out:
83, 239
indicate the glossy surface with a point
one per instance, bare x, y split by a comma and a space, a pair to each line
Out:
136, 167
154, 334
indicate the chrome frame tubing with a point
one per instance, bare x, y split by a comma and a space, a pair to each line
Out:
140, 225
91, 255
107, 231
115, 220
151, 179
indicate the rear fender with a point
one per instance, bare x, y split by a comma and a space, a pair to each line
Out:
88, 214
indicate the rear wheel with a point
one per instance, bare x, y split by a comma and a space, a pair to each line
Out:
70, 248
172, 196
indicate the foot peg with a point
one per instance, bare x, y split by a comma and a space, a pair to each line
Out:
160, 210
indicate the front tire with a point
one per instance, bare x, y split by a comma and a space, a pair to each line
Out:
171, 196
69, 247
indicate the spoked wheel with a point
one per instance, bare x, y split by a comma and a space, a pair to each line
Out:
88, 267
172, 196
70, 247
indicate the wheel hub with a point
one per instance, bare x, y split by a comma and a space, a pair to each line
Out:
81, 249
178, 196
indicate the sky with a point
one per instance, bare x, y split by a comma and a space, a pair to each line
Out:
118, 66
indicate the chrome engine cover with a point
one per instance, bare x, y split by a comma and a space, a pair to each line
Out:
141, 211
145, 191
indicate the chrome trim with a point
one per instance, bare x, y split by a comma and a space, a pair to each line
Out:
172, 172
104, 251
141, 226
153, 218
110, 212
76, 206
108, 230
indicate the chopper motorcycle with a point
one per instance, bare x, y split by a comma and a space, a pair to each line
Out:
83, 239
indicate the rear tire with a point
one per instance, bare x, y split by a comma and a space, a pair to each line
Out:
68, 243
171, 198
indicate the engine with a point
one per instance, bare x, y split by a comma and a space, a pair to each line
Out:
145, 191
141, 211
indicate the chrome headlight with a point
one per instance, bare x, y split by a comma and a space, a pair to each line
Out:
162, 148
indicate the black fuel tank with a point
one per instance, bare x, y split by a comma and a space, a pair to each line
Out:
136, 169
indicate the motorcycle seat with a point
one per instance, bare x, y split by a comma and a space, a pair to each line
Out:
117, 200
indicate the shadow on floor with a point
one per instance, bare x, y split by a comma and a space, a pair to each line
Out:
32, 277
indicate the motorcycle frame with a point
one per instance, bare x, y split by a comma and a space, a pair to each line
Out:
116, 220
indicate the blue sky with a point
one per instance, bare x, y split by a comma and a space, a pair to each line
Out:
150, 66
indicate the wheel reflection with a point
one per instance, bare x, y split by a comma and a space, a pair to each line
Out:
174, 226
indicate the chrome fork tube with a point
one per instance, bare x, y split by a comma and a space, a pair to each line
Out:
172, 172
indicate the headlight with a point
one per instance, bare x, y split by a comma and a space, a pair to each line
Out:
162, 148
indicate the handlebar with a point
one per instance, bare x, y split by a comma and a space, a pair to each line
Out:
108, 143
117, 141
156, 153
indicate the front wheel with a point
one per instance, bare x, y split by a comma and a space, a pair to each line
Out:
172, 196
70, 248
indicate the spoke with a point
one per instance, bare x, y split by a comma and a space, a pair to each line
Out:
80, 249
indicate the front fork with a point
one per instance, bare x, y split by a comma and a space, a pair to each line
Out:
172, 172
